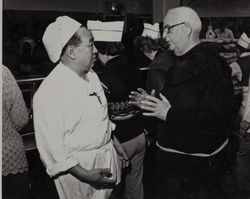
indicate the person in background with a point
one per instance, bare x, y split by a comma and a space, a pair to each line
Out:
241, 71
222, 32
72, 127
243, 155
194, 113
210, 33
156, 49
150, 44
117, 79
15, 177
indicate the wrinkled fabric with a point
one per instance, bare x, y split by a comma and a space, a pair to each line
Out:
72, 127
71, 188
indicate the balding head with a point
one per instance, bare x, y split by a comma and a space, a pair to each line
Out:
188, 15
182, 27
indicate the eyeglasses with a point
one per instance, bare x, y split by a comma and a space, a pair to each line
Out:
167, 27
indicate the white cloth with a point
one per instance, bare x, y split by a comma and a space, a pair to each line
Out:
69, 187
245, 54
72, 127
244, 41
152, 31
203, 155
236, 71
57, 34
106, 31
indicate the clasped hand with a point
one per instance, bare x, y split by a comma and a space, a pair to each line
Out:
101, 178
154, 106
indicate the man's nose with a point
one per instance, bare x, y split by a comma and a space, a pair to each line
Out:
94, 49
165, 36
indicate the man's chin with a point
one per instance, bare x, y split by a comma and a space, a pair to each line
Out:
91, 66
171, 47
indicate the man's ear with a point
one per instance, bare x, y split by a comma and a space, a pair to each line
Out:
70, 51
188, 28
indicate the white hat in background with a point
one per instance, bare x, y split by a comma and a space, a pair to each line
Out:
244, 41
57, 34
106, 31
152, 31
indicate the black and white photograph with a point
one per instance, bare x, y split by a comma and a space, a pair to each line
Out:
125, 99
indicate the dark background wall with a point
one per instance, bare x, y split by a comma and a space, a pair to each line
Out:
22, 18
222, 8
135, 6
30, 17
205, 8
234, 13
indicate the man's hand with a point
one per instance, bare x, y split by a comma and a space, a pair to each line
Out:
98, 178
155, 107
121, 152
137, 96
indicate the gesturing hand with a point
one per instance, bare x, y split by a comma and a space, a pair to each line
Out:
155, 107
137, 96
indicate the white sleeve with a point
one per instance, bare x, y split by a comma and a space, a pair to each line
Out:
50, 134
236, 71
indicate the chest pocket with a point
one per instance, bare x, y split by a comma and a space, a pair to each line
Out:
96, 107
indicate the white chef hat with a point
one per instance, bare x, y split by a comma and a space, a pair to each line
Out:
57, 34
244, 41
152, 31
106, 31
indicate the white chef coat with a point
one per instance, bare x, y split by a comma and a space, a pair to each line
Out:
72, 126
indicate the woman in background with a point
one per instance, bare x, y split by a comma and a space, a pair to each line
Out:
241, 76
118, 78
15, 179
156, 49
222, 32
153, 47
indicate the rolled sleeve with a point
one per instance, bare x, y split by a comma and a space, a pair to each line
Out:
59, 167
236, 71
50, 137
